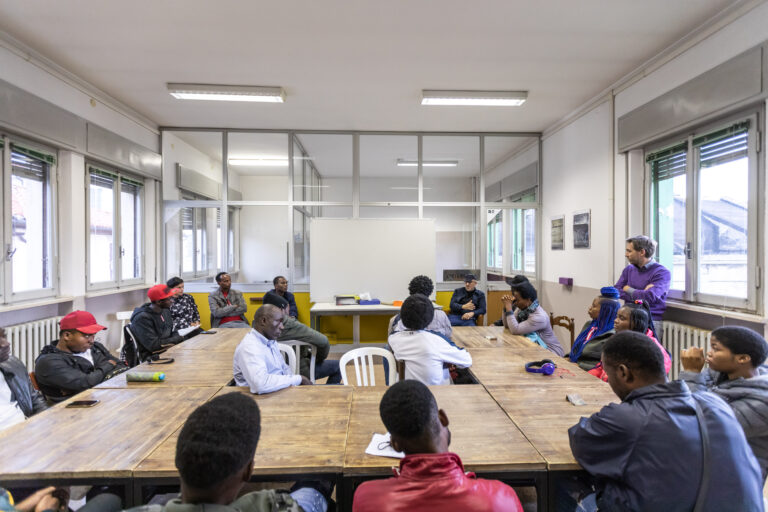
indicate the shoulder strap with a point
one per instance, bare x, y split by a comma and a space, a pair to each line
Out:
705, 456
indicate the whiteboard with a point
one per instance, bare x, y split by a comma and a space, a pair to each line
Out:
380, 256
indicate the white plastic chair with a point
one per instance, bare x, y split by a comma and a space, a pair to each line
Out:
296, 345
288, 352
124, 317
363, 359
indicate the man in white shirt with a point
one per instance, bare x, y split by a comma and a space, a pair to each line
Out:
426, 355
258, 362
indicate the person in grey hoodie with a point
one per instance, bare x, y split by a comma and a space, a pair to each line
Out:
736, 373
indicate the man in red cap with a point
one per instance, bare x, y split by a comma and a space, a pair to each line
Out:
75, 362
152, 323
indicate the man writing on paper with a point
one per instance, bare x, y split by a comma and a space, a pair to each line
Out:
258, 362
430, 478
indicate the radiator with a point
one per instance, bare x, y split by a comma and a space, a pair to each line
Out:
679, 336
28, 339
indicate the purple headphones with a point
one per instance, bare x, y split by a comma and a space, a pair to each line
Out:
545, 366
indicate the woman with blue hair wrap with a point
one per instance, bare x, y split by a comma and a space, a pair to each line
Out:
588, 346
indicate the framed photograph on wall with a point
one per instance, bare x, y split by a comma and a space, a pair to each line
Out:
581, 233
558, 233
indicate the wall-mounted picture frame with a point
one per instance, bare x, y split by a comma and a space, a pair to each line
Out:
581, 229
558, 232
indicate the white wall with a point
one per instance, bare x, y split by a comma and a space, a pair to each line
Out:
577, 176
178, 151
577, 169
34, 77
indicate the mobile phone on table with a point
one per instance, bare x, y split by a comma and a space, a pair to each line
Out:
82, 403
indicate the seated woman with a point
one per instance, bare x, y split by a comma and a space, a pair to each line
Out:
588, 347
529, 319
635, 316
183, 308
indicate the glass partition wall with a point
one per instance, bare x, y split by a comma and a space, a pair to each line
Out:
482, 190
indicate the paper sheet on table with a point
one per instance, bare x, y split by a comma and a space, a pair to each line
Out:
380, 446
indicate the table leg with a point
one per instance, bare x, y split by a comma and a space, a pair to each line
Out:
356, 330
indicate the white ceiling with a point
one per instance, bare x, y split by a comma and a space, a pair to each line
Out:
354, 65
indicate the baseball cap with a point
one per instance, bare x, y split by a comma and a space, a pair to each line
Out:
159, 292
469, 278
81, 321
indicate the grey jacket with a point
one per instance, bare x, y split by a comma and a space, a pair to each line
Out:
749, 400
30, 400
259, 501
221, 308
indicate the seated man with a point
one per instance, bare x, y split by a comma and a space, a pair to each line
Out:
293, 330
430, 478
662, 447
18, 397
75, 362
214, 456
467, 303
735, 374
426, 354
281, 288
152, 323
258, 362
440, 324
227, 305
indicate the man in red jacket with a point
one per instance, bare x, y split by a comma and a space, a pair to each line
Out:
430, 477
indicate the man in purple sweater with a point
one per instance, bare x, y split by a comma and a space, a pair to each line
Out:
645, 279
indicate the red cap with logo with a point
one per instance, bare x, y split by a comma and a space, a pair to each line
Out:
81, 321
159, 292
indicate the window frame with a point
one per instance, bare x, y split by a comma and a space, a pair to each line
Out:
205, 271
693, 237
7, 295
117, 256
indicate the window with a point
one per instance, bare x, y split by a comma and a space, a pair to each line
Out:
194, 242
115, 234
523, 234
703, 214
29, 241
495, 239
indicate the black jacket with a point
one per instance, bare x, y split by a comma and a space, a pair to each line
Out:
62, 374
30, 400
153, 330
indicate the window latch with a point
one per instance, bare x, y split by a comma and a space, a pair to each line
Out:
688, 250
9, 252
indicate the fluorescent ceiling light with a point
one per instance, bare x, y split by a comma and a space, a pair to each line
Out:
427, 163
227, 93
259, 162
474, 98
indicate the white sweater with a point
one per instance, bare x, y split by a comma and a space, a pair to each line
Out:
425, 354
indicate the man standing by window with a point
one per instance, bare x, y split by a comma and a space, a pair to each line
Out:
645, 279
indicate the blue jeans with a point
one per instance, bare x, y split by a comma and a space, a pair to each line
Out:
328, 368
458, 321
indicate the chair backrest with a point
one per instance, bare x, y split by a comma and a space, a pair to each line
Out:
33, 380
363, 360
129, 352
564, 321
124, 317
288, 352
296, 345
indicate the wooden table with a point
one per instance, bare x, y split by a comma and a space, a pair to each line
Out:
224, 340
303, 432
488, 337
96, 445
487, 441
190, 368
330, 309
